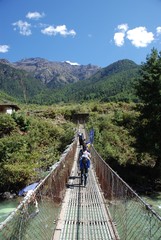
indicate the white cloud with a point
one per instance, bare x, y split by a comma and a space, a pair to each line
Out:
140, 37
35, 15
123, 27
158, 29
4, 48
62, 30
119, 36
119, 39
24, 27
73, 63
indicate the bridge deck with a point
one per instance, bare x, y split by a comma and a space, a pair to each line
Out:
83, 214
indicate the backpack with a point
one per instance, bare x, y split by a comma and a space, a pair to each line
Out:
80, 136
84, 161
81, 139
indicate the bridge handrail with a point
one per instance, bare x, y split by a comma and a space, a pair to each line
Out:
26, 199
51, 189
134, 218
146, 204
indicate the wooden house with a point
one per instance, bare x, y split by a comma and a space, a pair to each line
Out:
8, 108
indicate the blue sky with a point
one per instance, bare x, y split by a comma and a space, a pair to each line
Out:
97, 32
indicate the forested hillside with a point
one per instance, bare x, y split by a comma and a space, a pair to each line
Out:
18, 84
5, 98
115, 82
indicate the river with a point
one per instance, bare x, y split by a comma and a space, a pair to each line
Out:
6, 207
155, 201
33, 225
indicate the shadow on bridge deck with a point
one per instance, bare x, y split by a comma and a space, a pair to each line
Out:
84, 214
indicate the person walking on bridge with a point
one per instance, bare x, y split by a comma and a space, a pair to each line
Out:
87, 154
81, 139
84, 164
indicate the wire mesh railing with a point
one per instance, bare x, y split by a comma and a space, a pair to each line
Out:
134, 219
36, 215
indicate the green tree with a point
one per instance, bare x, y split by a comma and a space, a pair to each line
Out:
7, 124
149, 92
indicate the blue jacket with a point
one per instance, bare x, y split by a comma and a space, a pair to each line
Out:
82, 165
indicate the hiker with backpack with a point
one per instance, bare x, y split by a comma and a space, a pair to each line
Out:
84, 145
81, 139
87, 154
84, 164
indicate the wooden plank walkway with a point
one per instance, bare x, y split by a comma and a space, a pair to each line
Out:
84, 214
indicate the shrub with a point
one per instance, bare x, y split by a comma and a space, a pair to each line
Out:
7, 124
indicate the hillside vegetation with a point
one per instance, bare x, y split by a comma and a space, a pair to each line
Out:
5, 98
115, 139
127, 130
26, 83
18, 83
31, 142
130, 140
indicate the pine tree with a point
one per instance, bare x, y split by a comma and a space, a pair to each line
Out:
149, 92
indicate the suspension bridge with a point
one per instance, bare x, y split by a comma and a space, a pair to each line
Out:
106, 209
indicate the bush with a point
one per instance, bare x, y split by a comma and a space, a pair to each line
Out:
22, 121
7, 124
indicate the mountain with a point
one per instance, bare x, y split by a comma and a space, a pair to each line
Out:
36, 80
19, 84
115, 82
115, 68
56, 74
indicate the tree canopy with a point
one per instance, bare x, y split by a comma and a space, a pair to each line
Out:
149, 92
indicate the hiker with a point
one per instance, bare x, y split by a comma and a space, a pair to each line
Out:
80, 136
87, 154
79, 157
84, 164
84, 145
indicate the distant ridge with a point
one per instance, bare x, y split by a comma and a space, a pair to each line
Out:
56, 74
37, 80
112, 83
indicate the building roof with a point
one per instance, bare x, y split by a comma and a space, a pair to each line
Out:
2, 106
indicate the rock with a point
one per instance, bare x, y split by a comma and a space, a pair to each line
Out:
8, 195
